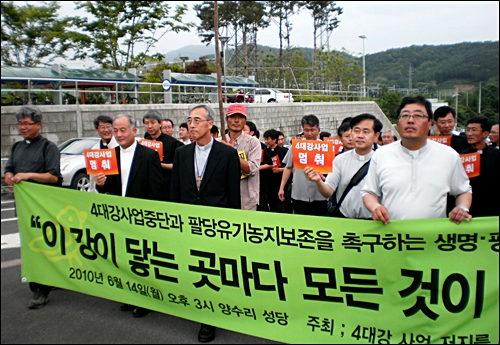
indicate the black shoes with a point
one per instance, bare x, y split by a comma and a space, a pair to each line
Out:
138, 311
206, 333
39, 300
126, 307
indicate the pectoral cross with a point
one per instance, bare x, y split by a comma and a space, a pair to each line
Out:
198, 179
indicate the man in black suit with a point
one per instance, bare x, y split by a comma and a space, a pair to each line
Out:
207, 173
446, 119
139, 174
152, 124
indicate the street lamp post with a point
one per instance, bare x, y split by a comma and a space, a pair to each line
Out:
184, 59
364, 69
223, 41
456, 102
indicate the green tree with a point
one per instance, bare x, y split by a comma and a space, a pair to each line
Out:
300, 67
198, 67
324, 14
338, 68
389, 103
280, 12
122, 32
245, 16
32, 34
252, 18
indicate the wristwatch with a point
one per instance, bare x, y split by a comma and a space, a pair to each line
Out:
464, 208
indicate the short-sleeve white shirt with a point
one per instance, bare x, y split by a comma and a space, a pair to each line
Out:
414, 184
345, 166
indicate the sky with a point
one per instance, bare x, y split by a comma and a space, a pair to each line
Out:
386, 25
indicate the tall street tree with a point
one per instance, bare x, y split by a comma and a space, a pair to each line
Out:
122, 33
244, 16
280, 13
324, 14
32, 35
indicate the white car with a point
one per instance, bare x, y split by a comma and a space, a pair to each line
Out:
271, 96
73, 168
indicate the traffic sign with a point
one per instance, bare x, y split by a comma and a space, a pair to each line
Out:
166, 84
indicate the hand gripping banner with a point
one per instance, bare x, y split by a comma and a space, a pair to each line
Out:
289, 278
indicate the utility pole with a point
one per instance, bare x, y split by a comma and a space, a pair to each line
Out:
479, 103
364, 68
219, 82
409, 84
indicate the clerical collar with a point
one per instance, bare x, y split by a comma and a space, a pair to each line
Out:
207, 146
363, 157
416, 153
29, 141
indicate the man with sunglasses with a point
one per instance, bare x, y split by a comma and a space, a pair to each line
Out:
34, 159
410, 179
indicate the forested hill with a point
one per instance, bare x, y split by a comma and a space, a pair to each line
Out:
443, 65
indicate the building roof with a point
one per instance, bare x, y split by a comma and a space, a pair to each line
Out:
210, 80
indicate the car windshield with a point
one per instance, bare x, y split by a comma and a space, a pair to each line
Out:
76, 147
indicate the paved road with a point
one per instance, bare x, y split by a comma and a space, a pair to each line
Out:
71, 317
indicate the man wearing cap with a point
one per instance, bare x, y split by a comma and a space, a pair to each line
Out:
248, 148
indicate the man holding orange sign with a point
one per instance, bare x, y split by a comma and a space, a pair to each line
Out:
446, 119
365, 130
103, 125
306, 199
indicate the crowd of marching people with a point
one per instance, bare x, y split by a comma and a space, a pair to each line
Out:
376, 176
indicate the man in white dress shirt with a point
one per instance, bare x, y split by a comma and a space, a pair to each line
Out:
365, 130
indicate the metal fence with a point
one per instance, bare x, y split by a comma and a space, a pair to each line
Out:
37, 91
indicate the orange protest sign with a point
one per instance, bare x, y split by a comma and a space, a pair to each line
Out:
313, 153
337, 143
471, 163
101, 161
276, 161
446, 140
153, 144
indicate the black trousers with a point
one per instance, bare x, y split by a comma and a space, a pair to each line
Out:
43, 288
313, 208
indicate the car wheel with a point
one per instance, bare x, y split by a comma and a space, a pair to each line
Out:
81, 182
272, 101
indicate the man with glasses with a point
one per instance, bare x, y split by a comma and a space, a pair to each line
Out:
446, 119
486, 186
410, 179
103, 125
34, 159
206, 173
494, 136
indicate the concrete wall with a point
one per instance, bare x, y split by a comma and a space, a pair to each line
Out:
62, 122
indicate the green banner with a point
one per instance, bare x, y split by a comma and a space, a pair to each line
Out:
289, 278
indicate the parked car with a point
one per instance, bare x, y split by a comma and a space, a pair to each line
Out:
73, 167
270, 96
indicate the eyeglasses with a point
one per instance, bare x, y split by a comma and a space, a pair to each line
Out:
196, 120
406, 117
106, 127
25, 124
